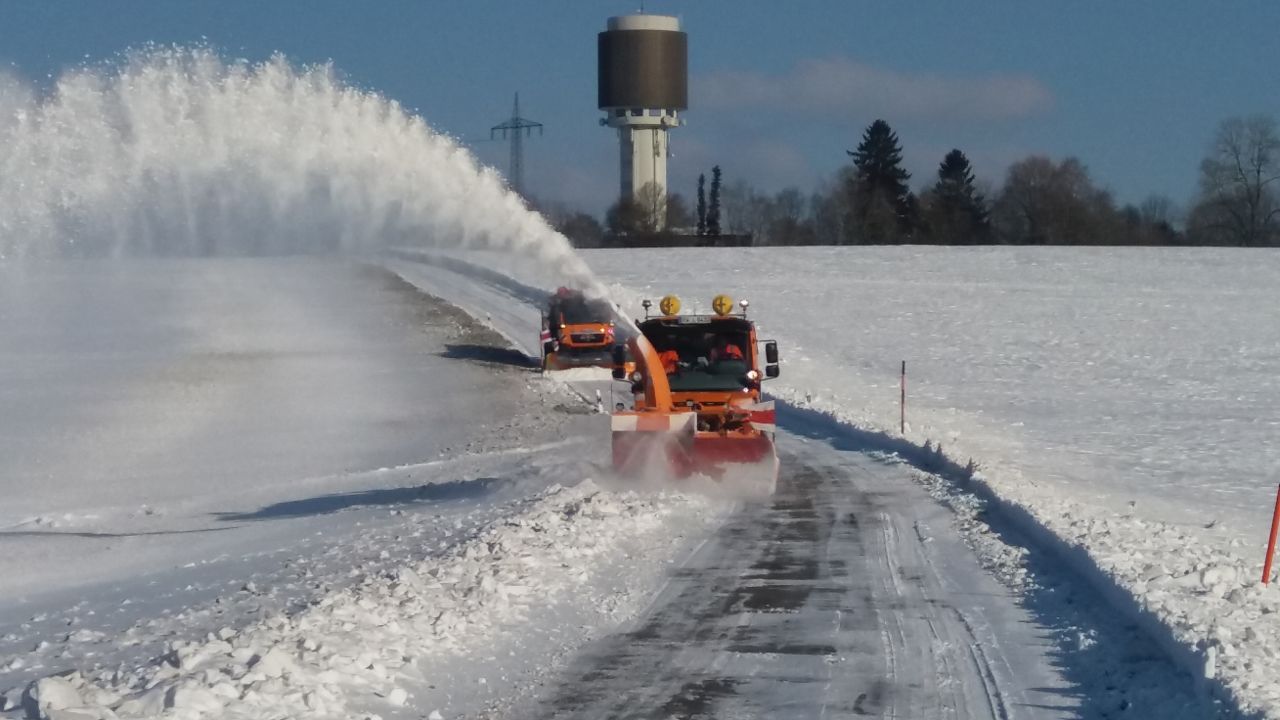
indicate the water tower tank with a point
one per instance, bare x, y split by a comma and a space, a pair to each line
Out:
643, 63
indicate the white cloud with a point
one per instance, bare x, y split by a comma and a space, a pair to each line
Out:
840, 86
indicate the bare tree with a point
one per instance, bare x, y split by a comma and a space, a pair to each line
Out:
1238, 185
652, 200
788, 205
679, 216
1159, 218
787, 222
757, 215
626, 217
829, 207
1159, 210
1047, 203
583, 230
780, 219
740, 210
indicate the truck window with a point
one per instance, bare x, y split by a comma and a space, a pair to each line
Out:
705, 362
577, 311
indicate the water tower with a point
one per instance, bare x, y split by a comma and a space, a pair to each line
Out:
643, 87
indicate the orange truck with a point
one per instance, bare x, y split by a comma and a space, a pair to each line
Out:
697, 406
577, 331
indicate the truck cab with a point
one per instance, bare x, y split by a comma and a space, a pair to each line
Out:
713, 363
577, 331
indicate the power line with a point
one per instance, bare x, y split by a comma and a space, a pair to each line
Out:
517, 128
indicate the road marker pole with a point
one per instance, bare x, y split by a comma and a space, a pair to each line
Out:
902, 403
1271, 543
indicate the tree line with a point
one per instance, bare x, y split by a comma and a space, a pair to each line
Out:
1040, 202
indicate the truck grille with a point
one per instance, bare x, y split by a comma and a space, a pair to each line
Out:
587, 338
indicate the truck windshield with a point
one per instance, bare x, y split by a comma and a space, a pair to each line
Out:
579, 310
711, 356
724, 375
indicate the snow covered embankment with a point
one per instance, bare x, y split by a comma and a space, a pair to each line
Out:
575, 553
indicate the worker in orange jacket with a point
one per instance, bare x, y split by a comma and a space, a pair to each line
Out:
670, 361
725, 351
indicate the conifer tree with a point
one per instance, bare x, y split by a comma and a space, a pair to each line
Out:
883, 208
702, 204
957, 213
713, 210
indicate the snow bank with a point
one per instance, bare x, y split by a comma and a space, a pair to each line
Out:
382, 644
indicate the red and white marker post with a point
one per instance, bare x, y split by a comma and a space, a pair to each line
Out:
902, 402
1271, 543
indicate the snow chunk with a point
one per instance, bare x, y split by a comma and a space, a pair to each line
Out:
275, 663
11, 700
55, 693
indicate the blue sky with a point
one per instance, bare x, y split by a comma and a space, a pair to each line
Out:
778, 90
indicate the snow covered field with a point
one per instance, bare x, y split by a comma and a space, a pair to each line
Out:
1128, 398
413, 563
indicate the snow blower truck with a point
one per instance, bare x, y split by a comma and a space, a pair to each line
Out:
577, 331
695, 380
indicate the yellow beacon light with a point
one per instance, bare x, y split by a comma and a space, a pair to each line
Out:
722, 304
670, 305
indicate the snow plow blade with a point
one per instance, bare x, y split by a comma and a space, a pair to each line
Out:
658, 447
653, 445
745, 459
742, 466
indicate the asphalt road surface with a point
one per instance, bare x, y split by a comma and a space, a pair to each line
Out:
847, 595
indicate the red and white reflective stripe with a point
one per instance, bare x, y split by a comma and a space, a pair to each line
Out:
546, 335
763, 417
653, 422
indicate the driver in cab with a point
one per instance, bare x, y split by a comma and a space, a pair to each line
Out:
720, 349
725, 350
670, 360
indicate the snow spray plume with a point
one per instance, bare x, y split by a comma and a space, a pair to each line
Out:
178, 152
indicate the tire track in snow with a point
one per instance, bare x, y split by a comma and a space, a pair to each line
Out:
810, 606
